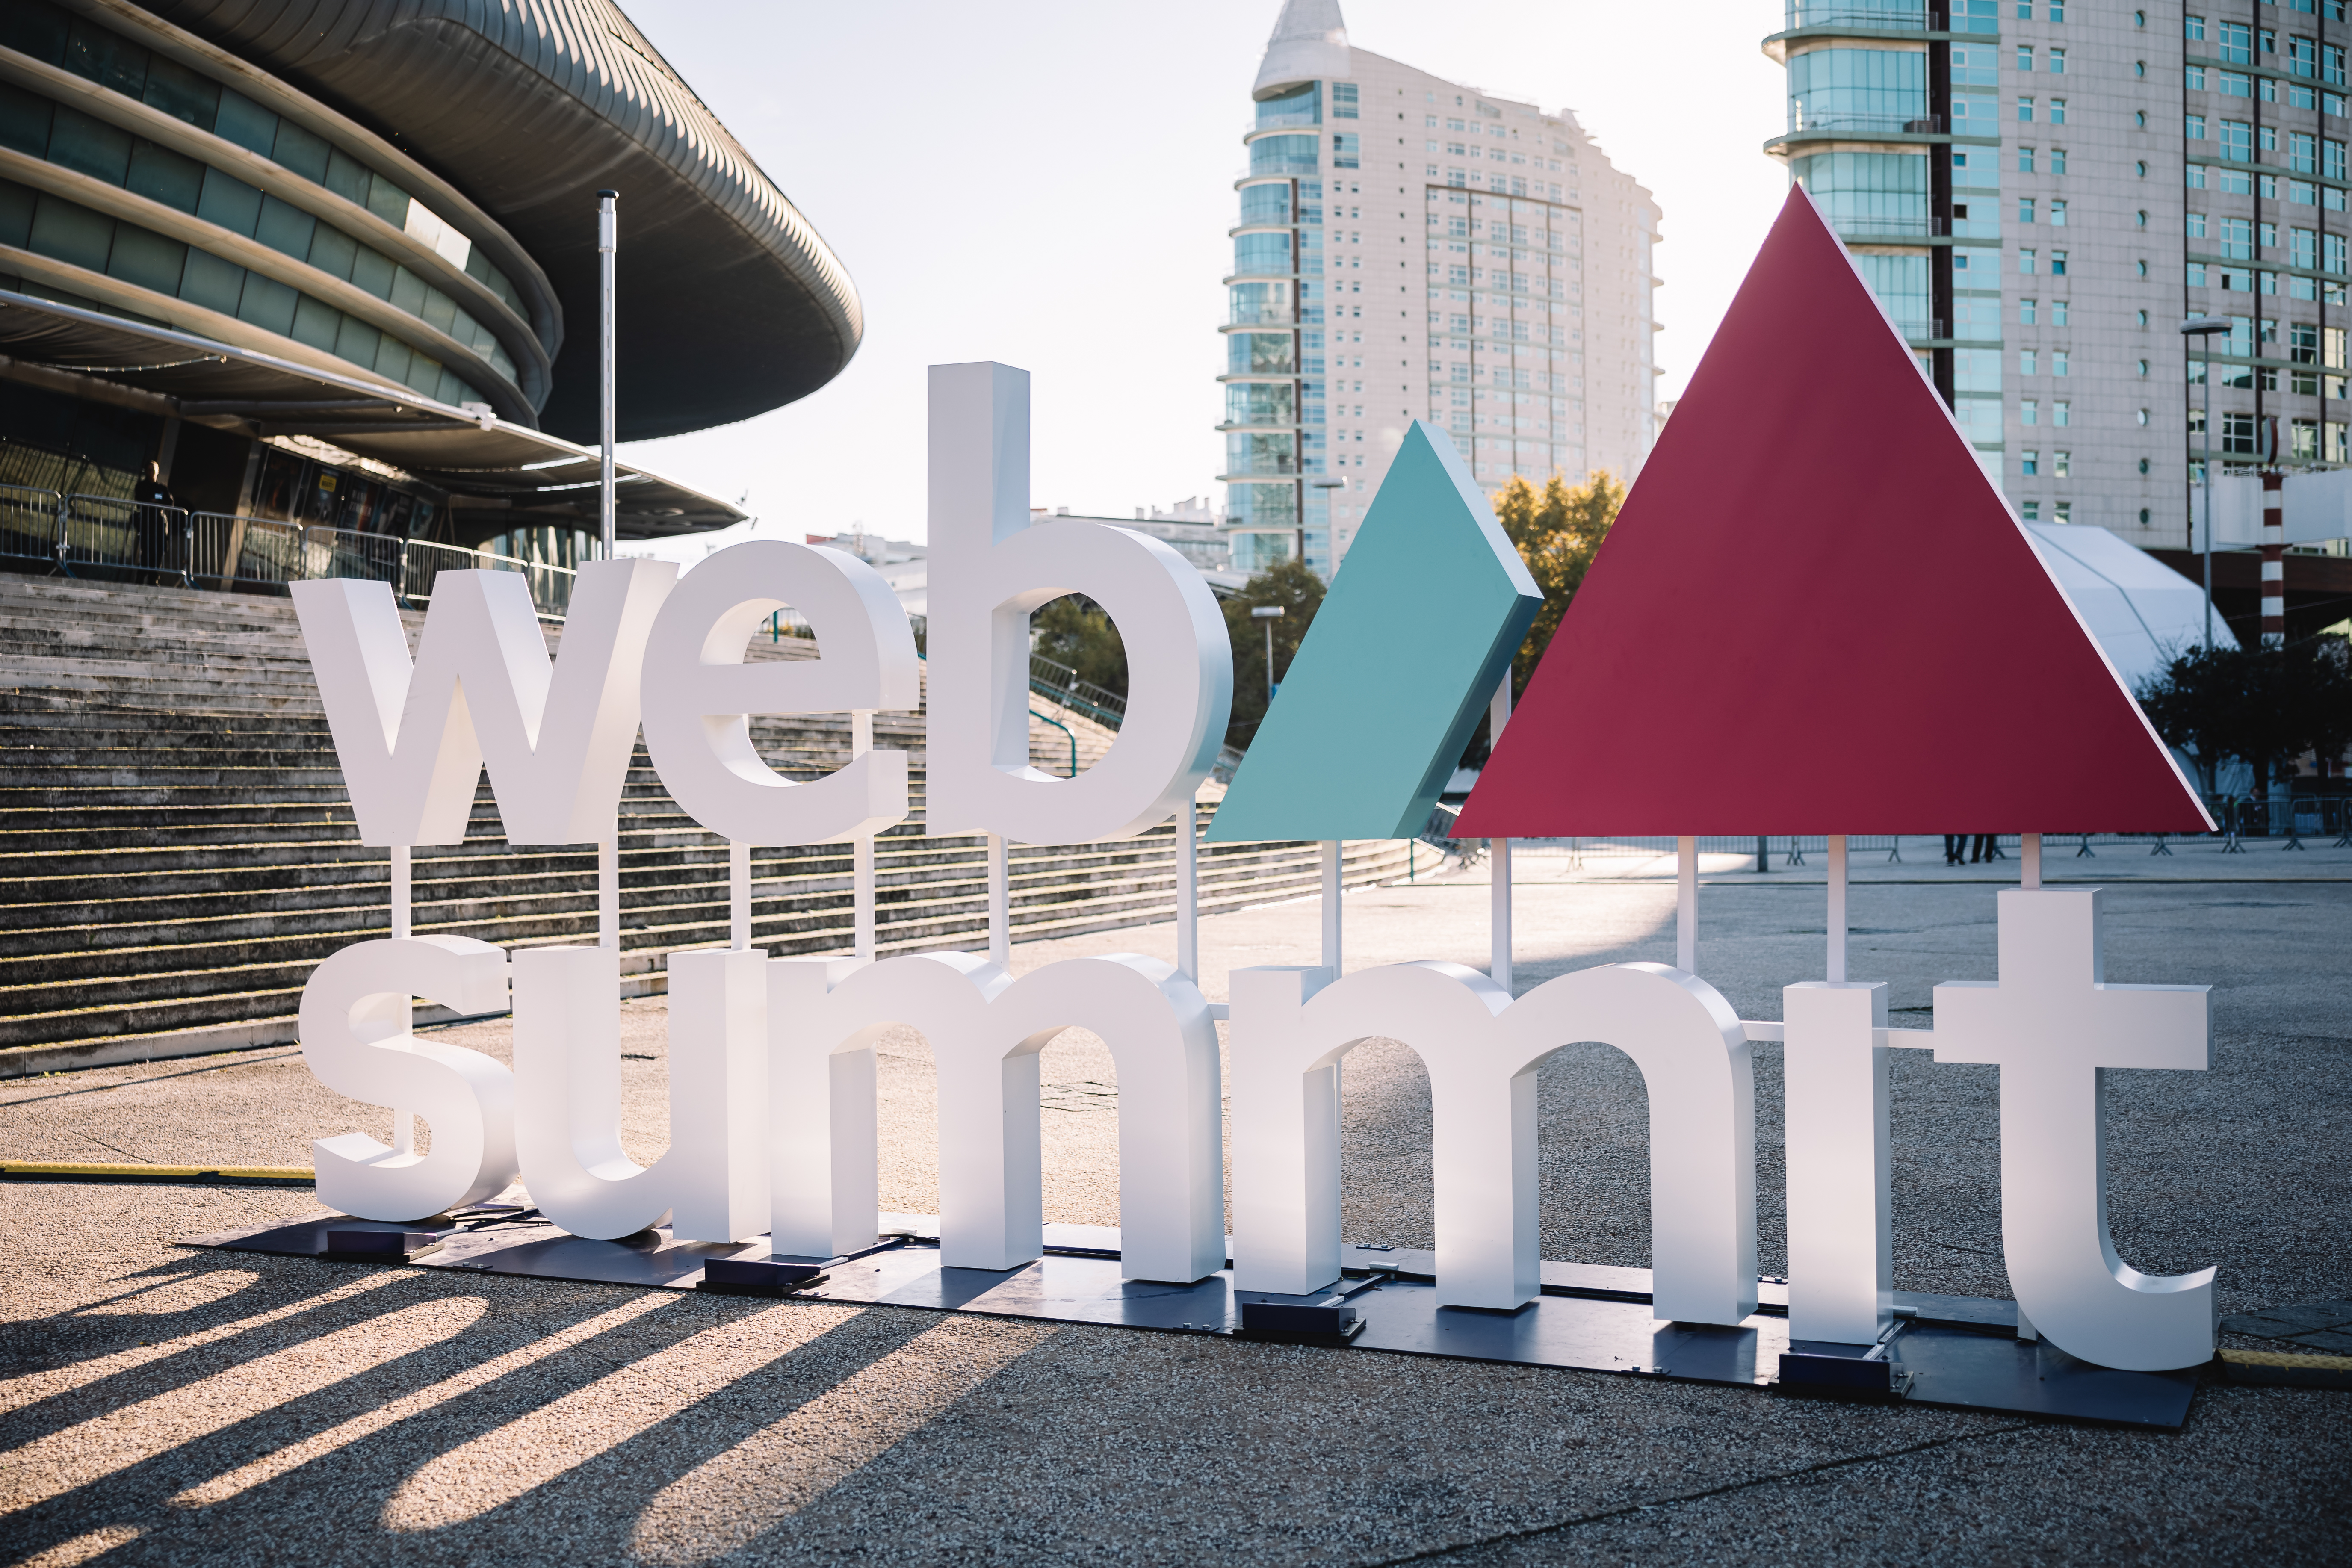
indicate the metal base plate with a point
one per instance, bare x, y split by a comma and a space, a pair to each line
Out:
1960, 1352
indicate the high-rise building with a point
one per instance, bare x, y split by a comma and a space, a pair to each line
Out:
1411, 248
2039, 190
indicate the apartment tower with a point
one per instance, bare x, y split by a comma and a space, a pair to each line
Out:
2040, 190
1411, 248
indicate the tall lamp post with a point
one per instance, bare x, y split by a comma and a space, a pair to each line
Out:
1269, 613
1330, 533
2204, 327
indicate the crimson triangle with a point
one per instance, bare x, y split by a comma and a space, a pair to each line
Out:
1815, 613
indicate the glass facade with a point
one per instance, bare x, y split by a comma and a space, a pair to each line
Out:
1867, 193
1857, 90
270, 297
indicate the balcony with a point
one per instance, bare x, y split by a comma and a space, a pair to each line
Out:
1845, 14
1803, 124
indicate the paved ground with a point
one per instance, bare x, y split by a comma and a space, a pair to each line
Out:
162, 1404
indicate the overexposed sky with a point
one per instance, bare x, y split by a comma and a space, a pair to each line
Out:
1049, 183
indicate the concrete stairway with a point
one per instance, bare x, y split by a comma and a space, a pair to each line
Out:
176, 850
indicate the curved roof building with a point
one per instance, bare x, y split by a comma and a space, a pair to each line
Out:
365, 229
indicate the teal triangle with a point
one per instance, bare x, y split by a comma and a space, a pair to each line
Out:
1408, 647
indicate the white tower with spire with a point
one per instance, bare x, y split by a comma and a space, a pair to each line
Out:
1411, 247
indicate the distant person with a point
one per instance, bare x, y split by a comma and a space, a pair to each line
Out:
1989, 843
1953, 844
156, 523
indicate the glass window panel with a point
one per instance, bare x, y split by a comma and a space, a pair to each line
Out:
1857, 90
268, 304
181, 92
332, 251
316, 323
303, 151
229, 202
245, 122
162, 175
89, 146
105, 58
285, 228
387, 201
373, 271
17, 204
1284, 155
1260, 203
209, 281
1299, 105
1876, 193
146, 258
1261, 252
23, 121
72, 233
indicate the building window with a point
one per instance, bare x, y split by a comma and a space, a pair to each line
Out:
2025, 209
2025, 160
2025, 108
1344, 149
2195, 176
2057, 312
1343, 100
2238, 139
2025, 309
2331, 159
2057, 62
2029, 411
2057, 114
2236, 44
2031, 509
2028, 464
2026, 261
2193, 29
2028, 362
2024, 57
2058, 363
2192, 127
2058, 214
2057, 159
2057, 264
2066, 512
2062, 413
2058, 464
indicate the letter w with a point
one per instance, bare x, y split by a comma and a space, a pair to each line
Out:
413, 739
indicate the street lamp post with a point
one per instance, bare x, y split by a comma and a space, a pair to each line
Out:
2205, 327
1330, 535
1269, 613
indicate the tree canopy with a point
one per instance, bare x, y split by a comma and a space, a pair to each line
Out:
1558, 531
1299, 592
2263, 706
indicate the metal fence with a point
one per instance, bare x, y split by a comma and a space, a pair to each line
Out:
111, 539
2326, 818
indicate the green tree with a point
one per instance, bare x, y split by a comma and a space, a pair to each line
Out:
1558, 531
1299, 593
2263, 706
1074, 630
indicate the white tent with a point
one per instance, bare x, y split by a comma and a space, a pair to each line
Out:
2142, 611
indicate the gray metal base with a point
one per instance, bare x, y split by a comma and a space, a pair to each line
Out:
1947, 1350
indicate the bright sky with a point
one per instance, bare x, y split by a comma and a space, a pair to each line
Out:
1049, 183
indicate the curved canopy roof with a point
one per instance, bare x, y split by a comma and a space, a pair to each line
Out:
1309, 42
493, 470
730, 303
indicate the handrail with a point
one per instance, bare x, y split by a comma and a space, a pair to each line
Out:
1066, 729
122, 536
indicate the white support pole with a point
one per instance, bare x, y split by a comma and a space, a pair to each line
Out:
1687, 903
608, 233
1499, 861
1000, 903
1331, 958
404, 917
402, 913
1837, 908
2029, 860
739, 895
608, 890
1188, 891
861, 850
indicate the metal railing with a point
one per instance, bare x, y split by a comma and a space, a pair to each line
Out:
1059, 683
111, 539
